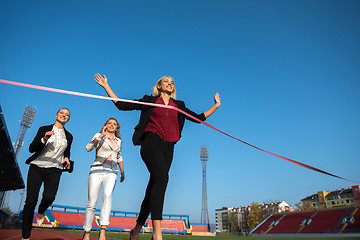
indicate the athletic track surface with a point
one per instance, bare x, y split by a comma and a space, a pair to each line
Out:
41, 234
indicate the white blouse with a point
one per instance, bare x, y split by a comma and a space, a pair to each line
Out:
52, 154
105, 150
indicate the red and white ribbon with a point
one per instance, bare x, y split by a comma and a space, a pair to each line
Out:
169, 107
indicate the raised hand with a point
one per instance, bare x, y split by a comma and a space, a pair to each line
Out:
103, 132
217, 104
101, 80
217, 99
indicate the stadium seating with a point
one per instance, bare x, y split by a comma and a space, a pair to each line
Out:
71, 220
198, 227
171, 226
340, 220
353, 226
265, 226
327, 221
121, 223
291, 223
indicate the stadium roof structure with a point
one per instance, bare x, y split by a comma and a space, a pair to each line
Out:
10, 174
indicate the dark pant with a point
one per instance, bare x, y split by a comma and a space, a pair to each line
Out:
157, 154
36, 176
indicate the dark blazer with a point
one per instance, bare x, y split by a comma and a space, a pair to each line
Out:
146, 114
37, 146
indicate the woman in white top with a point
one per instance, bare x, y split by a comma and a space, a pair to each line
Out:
51, 148
103, 172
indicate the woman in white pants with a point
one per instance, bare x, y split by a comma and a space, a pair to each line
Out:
103, 172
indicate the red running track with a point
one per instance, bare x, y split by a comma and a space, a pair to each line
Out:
42, 234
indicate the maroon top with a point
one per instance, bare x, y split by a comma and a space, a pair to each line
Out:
164, 122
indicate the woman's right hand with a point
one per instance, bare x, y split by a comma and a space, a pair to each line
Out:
48, 135
103, 132
101, 80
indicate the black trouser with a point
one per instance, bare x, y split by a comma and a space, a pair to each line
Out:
157, 154
36, 176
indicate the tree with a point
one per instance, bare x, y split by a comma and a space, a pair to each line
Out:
304, 206
244, 228
230, 222
256, 215
234, 222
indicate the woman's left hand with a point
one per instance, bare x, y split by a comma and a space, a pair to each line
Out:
213, 108
122, 178
217, 99
67, 163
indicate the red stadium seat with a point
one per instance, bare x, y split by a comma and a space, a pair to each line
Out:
200, 227
75, 220
353, 226
122, 223
291, 223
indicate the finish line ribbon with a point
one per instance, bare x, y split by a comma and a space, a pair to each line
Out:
169, 107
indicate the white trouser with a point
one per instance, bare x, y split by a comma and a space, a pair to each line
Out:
97, 177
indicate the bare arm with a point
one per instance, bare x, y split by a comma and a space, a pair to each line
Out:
121, 166
102, 81
217, 104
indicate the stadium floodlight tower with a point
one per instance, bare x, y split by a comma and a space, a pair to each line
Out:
25, 124
204, 204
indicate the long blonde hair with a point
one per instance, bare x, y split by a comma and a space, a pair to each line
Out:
117, 131
156, 91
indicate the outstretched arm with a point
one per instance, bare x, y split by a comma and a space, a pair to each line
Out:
121, 105
214, 107
102, 81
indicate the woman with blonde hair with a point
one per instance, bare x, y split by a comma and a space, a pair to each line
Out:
51, 147
103, 172
157, 132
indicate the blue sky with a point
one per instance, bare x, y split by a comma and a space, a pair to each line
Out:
287, 73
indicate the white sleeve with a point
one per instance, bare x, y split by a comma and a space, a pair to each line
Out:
119, 157
93, 143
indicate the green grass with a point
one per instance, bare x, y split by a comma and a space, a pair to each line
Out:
146, 236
